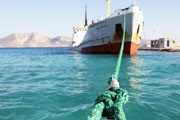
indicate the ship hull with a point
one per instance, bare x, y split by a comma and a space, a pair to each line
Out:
113, 48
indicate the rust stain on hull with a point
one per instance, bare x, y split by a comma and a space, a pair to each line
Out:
118, 37
136, 37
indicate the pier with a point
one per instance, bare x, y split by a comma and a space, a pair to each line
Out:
162, 49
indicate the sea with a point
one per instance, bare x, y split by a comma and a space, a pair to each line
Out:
61, 84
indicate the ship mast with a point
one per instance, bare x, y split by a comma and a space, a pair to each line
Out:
108, 2
86, 22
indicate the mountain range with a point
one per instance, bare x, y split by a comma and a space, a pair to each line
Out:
34, 40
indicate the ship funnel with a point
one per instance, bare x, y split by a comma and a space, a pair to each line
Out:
86, 22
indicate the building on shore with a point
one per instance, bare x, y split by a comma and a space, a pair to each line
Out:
165, 43
145, 43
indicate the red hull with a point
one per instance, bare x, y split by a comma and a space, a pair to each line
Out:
113, 48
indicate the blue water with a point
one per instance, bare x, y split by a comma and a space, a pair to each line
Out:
59, 84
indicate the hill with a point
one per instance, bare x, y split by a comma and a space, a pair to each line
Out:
34, 40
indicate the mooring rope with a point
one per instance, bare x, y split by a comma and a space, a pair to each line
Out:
110, 103
116, 73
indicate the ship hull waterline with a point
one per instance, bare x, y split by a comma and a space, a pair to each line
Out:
112, 48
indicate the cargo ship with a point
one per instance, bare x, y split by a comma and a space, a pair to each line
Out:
104, 35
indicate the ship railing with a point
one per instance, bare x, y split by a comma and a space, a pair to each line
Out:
112, 14
98, 19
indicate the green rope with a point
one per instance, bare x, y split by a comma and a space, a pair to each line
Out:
110, 103
116, 73
97, 112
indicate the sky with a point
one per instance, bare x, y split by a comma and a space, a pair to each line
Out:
57, 17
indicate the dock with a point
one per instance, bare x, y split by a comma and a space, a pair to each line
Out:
161, 49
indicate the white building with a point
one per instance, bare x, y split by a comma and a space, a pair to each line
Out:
145, 44
165, 43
